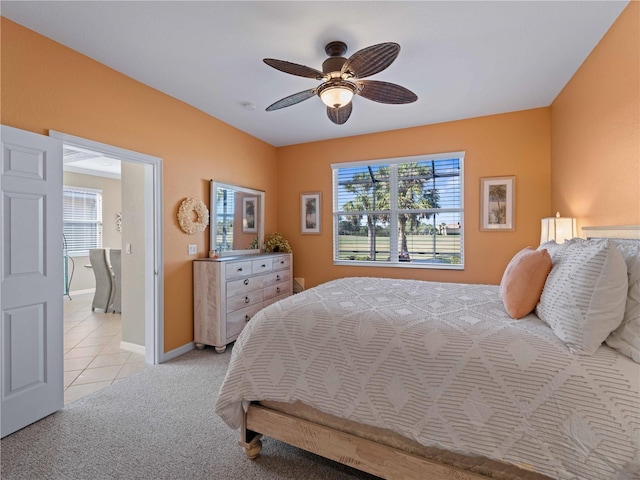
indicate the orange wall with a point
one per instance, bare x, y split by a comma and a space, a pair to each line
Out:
595, 132
508, 144
48, 86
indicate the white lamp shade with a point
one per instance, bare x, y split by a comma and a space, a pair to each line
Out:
558, 229
336, 97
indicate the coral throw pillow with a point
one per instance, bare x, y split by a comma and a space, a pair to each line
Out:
523, 281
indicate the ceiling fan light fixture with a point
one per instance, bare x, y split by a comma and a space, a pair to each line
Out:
336, 94
342, 78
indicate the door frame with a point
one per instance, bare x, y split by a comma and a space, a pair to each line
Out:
154, 263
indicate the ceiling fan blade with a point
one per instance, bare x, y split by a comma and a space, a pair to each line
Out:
385, 92
291, 100
371, 60
294, 68
340, 115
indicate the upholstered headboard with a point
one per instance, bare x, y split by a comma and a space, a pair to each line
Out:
621, 231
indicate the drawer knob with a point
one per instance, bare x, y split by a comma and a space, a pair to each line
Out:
263, 266
246, 282
277, 278
247, 318
240, 269
246, 300
278, 289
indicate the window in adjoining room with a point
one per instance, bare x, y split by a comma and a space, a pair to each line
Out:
81, 220
401, 212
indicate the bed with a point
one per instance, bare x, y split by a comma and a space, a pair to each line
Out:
412, 379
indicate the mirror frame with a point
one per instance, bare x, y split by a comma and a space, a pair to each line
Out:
213, 223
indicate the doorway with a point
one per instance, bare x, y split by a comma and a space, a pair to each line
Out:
146, 247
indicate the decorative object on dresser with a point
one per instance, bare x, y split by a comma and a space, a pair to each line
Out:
188, 208
229, 291
275, 242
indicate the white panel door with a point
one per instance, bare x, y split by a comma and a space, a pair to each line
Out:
31, 350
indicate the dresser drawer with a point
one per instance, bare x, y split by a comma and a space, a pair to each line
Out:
244, 300
238, 269
238, 319
281, 262
276, 278
244, 285
261, 266
277, 290
271, 300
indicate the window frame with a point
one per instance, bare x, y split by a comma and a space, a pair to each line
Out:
394, 211
98, 222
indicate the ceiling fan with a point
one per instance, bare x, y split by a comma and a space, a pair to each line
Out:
342, 79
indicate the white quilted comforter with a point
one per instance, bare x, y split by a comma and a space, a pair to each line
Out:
443, 364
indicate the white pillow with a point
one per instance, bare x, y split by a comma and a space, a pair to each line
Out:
555, 248
584, 297
626, 338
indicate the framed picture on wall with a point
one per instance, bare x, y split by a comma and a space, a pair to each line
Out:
498, 203
249, 207
310, 206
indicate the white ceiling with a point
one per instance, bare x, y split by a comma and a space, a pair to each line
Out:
79, 160
462, 59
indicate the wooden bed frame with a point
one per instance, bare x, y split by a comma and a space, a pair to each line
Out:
352, 450
360, 453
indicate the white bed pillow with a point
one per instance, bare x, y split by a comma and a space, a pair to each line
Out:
554, 248
584, 297
626, 338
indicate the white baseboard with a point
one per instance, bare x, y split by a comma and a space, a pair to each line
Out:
177, 352
132, 347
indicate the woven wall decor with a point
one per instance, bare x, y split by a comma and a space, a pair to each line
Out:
186, 212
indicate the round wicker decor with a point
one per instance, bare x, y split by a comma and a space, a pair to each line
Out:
188, 207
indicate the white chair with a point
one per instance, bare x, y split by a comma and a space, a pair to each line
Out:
104, 279
114, 258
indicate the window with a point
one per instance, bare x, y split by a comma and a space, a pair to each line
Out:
399, 212
81, 220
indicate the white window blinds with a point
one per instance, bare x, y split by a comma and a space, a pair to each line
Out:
82, 220
400, 212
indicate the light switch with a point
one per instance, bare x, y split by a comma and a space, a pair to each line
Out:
193, 249
127, 248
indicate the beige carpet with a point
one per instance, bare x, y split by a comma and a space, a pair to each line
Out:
157, 424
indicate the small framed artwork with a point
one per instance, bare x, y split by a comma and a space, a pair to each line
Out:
310, 212
249, 207
498, 203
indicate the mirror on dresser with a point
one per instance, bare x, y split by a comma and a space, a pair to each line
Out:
237, 219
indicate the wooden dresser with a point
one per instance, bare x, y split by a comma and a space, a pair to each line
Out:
228, 291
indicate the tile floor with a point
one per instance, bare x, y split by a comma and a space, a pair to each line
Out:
93, 358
